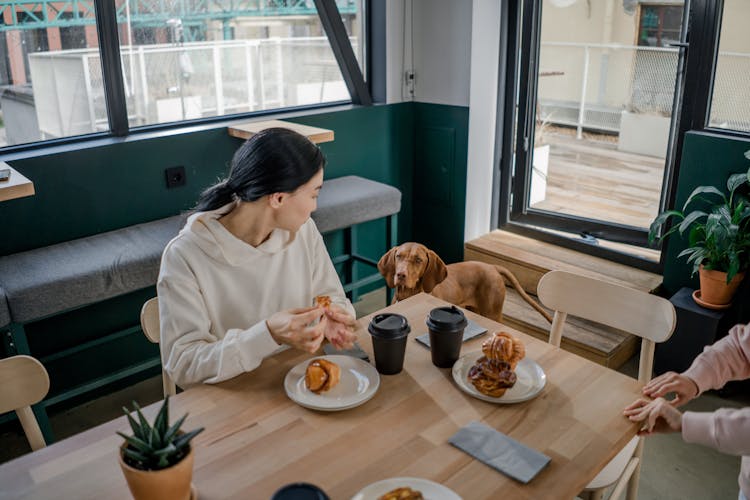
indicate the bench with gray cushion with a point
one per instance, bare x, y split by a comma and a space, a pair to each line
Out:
51, 280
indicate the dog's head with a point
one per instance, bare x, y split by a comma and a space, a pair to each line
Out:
412, 267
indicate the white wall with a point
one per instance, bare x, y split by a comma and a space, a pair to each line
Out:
455, 55
485, 53
432, 37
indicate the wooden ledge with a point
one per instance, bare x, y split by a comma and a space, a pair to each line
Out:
247, 130
18, 186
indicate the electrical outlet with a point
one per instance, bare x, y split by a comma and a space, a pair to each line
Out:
175, 176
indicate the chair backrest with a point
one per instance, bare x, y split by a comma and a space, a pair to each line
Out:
150, 327
150, 319
23, 382
648, 316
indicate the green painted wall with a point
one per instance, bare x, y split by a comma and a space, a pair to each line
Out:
707, 159
88, 191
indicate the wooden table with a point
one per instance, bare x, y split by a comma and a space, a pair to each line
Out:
257, 440
247, 130
17, 186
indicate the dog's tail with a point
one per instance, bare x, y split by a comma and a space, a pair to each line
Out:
514, 281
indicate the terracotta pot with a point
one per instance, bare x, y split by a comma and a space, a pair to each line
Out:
169, 483
714, 287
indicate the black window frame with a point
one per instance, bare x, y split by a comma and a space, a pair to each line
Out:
693, 100
360, 90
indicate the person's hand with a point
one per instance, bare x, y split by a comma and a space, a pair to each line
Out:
340, 327
683, 387
657, 415
292, 328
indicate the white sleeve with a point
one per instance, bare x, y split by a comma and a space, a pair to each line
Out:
325, 279
191, 354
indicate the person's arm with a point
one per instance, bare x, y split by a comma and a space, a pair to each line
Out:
726, 430
190, 353
725, 360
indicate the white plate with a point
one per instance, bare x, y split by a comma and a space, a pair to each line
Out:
530, 380
359, 382
430, 490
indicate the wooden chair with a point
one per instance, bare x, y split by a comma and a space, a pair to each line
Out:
150, 327
24, 382
648, 316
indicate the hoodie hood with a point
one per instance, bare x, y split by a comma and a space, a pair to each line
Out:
204, 230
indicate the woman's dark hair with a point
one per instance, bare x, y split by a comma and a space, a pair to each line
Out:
275, 160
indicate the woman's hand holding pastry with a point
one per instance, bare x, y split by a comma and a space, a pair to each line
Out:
684, 388
657, 415
340, 327
292, 328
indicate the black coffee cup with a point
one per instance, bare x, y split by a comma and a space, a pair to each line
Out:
300, 491
446, 326
389, 333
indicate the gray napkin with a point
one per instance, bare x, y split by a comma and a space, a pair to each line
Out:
355, 351
500, 451
472, 330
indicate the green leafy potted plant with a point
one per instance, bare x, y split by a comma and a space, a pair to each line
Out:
157, 460
718, 237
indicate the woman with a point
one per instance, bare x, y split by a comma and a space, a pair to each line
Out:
726, 430
238, 281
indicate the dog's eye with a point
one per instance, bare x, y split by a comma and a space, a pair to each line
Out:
418, 260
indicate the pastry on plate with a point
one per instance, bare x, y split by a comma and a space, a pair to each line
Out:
504, 347
322, 375
492, 377
404, 493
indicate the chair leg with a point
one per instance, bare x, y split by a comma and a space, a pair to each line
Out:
354, 275
391, 237
20, 344
633, 483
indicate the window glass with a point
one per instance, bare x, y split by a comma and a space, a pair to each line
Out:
730, 102
50, 72
659, 25
188, 60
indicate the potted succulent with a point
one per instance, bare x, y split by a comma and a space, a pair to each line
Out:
157, 460
718, 237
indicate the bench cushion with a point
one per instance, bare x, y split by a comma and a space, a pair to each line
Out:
350, 200
4, 310
52, 279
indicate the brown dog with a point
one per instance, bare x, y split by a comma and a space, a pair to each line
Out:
411, 268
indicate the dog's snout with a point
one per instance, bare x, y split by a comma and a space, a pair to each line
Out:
401, 275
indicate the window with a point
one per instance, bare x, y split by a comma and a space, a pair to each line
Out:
179, 60
48, 90
225, 57
730, 101
659, 25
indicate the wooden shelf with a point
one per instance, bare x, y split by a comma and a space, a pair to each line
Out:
17, 186
247, 130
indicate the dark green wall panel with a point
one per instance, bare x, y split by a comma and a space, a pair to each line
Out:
440, 151
707, 159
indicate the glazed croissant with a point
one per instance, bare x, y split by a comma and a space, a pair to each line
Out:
322, 375
493, 373
403, 493
503, 347
491, 376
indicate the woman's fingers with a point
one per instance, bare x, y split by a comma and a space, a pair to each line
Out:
635, 406
342, 317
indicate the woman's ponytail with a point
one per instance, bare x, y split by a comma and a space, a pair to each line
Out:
215, 197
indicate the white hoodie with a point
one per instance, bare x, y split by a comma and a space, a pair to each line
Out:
216, 292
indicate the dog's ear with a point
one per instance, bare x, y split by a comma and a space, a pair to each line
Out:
435, 272
387, 266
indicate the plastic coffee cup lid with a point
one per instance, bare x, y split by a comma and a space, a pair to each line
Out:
389, 325
446, 318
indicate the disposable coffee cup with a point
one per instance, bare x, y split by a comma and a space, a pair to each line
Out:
300, 491
446, 327
389, 333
